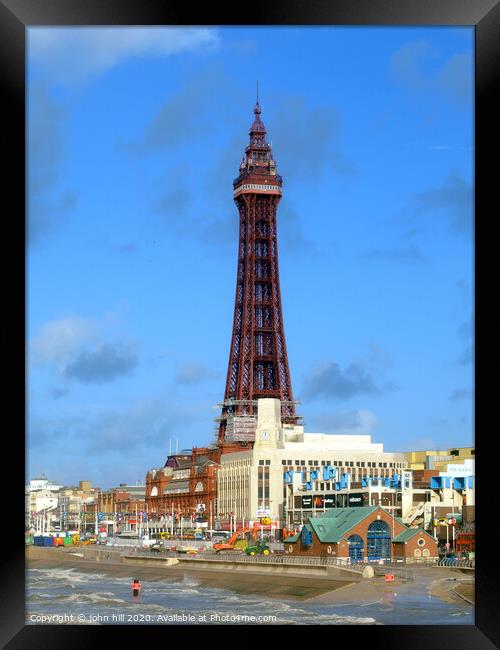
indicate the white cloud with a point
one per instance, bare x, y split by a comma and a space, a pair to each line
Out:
76, 348
73, 54
59, 339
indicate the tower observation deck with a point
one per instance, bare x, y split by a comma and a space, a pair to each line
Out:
258, 362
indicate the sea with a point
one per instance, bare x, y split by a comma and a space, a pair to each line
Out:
66, 596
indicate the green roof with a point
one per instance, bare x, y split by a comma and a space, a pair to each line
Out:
331, 526
408, 534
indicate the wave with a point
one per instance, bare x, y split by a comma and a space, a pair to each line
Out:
104, 598
69, 576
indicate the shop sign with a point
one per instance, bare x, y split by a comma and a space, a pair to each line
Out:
307, 502
329, 500
355, 500
263, 512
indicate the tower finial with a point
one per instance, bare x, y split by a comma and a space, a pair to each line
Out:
257, 91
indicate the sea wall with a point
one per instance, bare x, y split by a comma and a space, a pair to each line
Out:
91, 555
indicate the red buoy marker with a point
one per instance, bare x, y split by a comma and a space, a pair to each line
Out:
136, 587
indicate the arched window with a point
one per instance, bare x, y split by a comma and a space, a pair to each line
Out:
355, 548
378, 541
154, 491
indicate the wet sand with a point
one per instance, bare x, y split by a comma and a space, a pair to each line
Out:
445, 584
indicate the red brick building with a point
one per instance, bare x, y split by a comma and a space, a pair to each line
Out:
187, 484
361, 534
122, 508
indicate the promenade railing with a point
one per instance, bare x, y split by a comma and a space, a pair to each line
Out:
401, 569
457, 562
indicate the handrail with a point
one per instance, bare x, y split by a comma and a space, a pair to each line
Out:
455, 562
358, 567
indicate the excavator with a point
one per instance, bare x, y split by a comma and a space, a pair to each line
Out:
230, 544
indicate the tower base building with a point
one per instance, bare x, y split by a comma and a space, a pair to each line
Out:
252, 483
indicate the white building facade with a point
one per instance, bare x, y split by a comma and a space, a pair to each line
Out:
252, 482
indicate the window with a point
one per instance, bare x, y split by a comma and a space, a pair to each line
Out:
283, 462
268, 462
289, 462
385, 465
297, 462
316, 462
261, 462
357, 463
309, 462
454, 452
302, 462
323, 463
362, 464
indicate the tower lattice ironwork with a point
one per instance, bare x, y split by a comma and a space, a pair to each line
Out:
258, 362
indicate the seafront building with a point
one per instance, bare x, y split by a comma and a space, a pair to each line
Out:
443, 495
121, 509
52, 506
361, 534
256, 481
186, 487
432, 460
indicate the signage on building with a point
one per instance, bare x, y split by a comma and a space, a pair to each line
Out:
307, 501
329, 500
263, 512
355, 500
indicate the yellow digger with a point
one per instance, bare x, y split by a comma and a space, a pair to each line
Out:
80, 542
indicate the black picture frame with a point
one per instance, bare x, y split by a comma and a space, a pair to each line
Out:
15, 17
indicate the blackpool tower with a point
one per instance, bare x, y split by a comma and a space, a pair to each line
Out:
258, 362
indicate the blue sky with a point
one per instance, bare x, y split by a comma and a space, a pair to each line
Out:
134, 138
